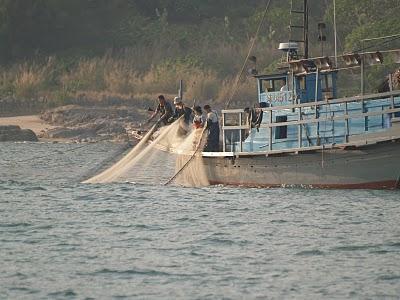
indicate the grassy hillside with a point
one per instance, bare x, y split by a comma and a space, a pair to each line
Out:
55, 52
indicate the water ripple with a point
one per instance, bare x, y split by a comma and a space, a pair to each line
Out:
60, 239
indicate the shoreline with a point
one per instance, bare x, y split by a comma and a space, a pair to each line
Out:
41, 127
33, 122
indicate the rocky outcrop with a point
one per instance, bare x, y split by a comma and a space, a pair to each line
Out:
13, 133
91, 123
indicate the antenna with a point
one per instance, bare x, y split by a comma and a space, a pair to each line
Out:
335, 31
305, 28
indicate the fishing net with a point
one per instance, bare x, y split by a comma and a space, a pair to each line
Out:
170, 154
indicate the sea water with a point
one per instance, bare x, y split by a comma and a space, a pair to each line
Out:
61, 239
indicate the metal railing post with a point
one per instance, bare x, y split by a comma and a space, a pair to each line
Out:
270, 131
300, 131
346, 123
223, 132
391, 90
240, 133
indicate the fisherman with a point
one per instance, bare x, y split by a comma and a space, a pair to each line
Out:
212, 125
165, 110
181, 110
255, 115
198, 118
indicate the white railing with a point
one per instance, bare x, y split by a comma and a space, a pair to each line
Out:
316, 119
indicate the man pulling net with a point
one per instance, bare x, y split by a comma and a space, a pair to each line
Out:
164, 108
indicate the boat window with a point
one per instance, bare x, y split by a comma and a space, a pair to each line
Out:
327, 86
397, 114
302, 82
272, 85
281, 131
327, 83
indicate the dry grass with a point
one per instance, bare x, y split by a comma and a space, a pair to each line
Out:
30, 79
116, 76
243, 95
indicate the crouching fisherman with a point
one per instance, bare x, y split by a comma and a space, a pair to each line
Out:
184, 114
212, 125
181, 110
164, 108
255, 115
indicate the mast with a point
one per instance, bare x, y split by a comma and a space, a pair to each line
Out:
335, 31
297, 11
305, 32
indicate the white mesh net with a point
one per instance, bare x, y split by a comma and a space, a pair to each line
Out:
172, 152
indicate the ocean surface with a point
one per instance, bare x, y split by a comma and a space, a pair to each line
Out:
60, 239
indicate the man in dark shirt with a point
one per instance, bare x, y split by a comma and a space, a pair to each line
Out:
165, 110
255, 115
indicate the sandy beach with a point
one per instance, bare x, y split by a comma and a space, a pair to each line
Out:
32, 122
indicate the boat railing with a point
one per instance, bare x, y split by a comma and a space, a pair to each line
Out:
235, 128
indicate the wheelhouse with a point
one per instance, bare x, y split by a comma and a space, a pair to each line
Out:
302, 111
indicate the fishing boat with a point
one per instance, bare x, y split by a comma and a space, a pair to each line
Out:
310, 137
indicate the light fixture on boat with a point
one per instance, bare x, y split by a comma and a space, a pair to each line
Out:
253, 59
298, 66
352, 59
323, 63
373, 58
252, 71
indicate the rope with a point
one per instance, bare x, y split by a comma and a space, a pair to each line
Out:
198, 146
248, 55
376, 45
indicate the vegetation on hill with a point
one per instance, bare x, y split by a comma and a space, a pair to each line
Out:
55, 52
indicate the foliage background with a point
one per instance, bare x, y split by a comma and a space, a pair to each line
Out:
55, 52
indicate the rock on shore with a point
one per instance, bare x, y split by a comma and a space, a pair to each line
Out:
82, 123
13, 133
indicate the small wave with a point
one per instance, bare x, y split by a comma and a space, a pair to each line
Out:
310, 253
19, 275
10, 225
26, 186
222, 241
279, 221
23, 289
103, 211
185, 219
389, 277
43, 227
240, 209
237, 223
380, 251
65, 293
132, 272
354, 247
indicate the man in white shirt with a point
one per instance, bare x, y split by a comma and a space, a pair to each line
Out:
284, 87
